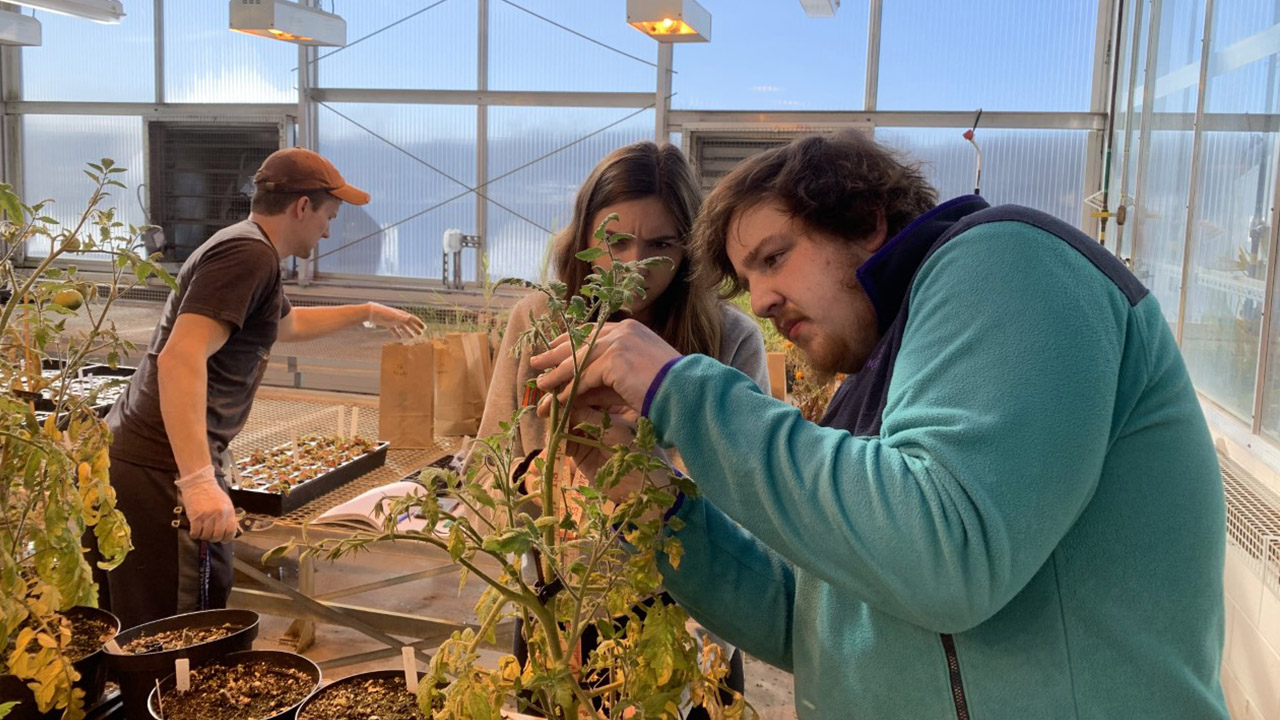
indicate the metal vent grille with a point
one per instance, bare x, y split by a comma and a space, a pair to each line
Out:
1253, 521
143, 294
715, 149
200, 178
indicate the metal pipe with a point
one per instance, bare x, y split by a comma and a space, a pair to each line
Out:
482, 137
1129, 137
158, 32
1268, 304
874, 22
1144, 125
662, 96
1193, 194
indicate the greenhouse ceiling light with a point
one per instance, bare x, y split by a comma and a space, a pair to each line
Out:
17, 29
670, 20
820, 8
107, 12
290, 21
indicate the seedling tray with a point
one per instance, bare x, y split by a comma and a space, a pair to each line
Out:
275, 503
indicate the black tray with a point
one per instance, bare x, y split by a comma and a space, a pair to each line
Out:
277, 504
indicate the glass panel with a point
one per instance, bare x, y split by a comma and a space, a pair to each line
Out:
1236, 206
568, 48
1159, 215
773, 57
416, 46
537, 159
996, 55
71, 62
56, 147
1010, 161
1246, 37
1228, 266
419, 170
1178, 55
207, 63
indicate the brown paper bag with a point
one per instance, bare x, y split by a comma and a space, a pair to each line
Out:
407, 395
777, 364
464, 365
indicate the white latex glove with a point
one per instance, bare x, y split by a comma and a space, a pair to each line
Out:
208, 507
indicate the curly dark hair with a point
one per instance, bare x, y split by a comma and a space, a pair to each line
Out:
835, 184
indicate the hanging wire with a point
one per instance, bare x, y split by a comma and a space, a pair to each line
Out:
575, 32
357, 41
507, 174
353, 121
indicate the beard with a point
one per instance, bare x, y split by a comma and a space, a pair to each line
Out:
827, 357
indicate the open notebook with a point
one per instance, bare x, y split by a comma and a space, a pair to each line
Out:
360, 513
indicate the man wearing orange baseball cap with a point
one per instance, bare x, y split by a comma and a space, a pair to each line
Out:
193, 389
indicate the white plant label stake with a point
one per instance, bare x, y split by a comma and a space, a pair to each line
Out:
410, 669
113, 647
355, 421
182, 670
342, 421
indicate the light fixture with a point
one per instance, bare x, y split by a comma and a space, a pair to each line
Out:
19, 29
107, 12
670, 20
289, 21
820, 8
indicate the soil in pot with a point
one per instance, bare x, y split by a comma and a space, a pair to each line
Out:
90, 630
383, 698
237, 691
88, 635
178, 638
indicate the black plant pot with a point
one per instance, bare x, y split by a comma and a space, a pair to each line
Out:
92, 669
137, 674
278, 658
349, 680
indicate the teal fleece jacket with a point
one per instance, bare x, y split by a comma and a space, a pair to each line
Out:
1036, 532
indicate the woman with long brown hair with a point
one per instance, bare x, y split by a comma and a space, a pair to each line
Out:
656, 197
655, 194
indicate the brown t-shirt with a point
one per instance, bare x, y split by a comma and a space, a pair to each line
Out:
233, 277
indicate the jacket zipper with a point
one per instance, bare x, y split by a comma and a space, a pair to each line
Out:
953, 670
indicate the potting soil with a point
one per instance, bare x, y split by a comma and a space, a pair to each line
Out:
88, 635
174, 639
380, 698
243, 691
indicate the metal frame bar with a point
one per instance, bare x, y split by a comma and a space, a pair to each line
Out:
1105, 47
1269, 299
11, 128
388, 582
155, 110
1144, 127
1129, 137
1197, 150
875, 19
662, 94
936, 118
158, 56
519, 98
482, 137
308, 132
325, 612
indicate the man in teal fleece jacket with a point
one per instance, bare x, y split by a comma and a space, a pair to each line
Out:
1012, 510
